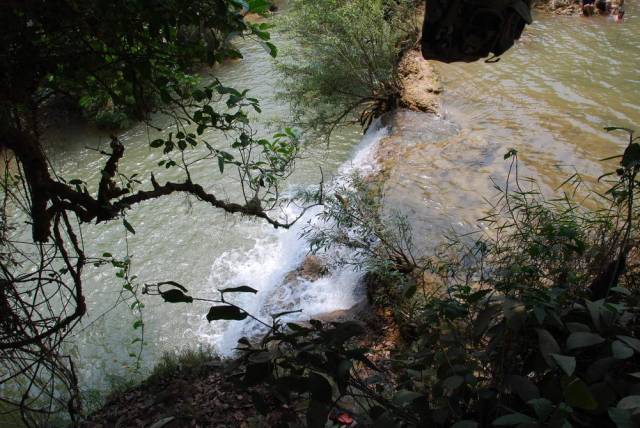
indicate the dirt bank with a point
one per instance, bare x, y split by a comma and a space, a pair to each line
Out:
558, 7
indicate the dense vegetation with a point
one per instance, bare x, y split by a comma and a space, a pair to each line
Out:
533, 322
139, 57
344, 65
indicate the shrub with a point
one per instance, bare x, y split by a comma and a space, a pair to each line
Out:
343, 65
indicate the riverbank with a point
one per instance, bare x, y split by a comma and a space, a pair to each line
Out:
559, 7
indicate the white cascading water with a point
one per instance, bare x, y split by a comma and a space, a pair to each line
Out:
279, 252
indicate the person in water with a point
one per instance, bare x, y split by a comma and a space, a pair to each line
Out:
588, 7
603, 7
617, 9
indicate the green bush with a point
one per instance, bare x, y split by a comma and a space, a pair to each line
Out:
343, 64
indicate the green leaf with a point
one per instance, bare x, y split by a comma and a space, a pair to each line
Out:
405, 397
128, 226
174, 284
548, 345
221, 164
107, 255
465, 424
583, 339
513, 419
566, 363
320, 388
621, 351
594, 311
175, 296
515, 313
264, 35
272, 49
631, 156
226, 313
523, 387
577, 394
510, 153
542, 407
618, 128
621, 417
138, 324
540, 313
599, 369
241, 289
317, 414
281, 314
157, 143
342, 375
621, 290
261, 357
452, 383
258, 6
577, 326
631, 341
630, 402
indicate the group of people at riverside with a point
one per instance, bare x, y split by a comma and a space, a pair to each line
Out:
614, 8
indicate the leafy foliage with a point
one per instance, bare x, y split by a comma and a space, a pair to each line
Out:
345, 62
134, 57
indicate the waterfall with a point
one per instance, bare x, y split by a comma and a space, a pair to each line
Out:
265, 267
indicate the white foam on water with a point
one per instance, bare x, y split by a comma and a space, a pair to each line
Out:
277, 253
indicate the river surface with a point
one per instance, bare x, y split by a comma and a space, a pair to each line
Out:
181, 239
549, 97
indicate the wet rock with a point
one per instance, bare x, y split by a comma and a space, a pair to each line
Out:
420, 85
361, 311
311, 269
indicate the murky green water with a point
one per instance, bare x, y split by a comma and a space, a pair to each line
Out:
549, 97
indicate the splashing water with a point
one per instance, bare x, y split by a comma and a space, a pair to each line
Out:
267, 264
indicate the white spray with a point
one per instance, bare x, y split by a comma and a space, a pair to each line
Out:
265, 266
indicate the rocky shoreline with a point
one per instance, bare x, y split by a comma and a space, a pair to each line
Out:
559, 7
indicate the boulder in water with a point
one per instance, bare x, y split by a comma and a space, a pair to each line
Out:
311, 269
